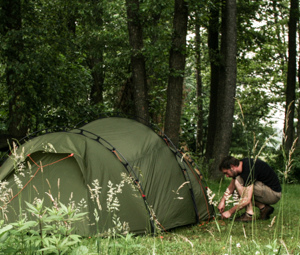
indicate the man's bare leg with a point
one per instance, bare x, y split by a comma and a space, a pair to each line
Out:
242, 191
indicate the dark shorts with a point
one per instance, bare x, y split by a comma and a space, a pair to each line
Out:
263, 193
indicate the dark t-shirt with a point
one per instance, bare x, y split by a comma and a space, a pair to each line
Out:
260, 172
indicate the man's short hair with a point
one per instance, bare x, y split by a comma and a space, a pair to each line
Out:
227, 162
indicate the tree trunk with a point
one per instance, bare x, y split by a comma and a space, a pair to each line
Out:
298, 123
12, 22
291, 77
95, 55
227, 88
96, 66
176, 75
199, 137
137, 60
213, 45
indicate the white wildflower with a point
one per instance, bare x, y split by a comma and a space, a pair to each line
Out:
235, 197
231, 198
96, 215
5, 194
272, 222
95, 192
71, 196
177, 191
119, 227
17, 156
211, 196
3, 186
36, 201
120, 186
112, 200
82, 203
29, 167
36, 190
18, 181
48, 147
20, 168
238, 245
131, 182
126, 178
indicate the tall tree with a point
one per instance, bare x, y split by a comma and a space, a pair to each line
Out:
298, 121
227, 86
137, 60
95, 53
213, 45
199, 137
11, 26
176, 71
291, 75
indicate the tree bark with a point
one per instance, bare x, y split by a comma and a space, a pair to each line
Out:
213, 45
291, 77
12, 22
96, 66
227, 87
95, 55
137, 60
176, 68
199, 137
298, 122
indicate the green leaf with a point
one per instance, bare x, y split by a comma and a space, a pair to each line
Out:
28, 225
5, 229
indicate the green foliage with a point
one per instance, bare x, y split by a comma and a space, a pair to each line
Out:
50, 233
53, 73
278, 162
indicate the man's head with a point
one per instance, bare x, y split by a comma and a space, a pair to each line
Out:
229, 165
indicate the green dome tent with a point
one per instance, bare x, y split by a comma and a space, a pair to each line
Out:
120, 169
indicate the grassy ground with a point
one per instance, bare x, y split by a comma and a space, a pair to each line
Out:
278, 235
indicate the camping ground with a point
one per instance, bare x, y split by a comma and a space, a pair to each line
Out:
278, 235
274, 236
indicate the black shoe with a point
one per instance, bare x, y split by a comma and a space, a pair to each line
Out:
266, 212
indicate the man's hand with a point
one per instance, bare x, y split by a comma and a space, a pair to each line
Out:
226, 215
221, 206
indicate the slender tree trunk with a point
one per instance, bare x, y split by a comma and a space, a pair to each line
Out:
199, 138
176, 75
12, 23
96, 66
298, 122
213, 45
95, 55
227, 88
291, 77
137, 60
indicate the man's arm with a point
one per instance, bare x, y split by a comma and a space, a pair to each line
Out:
246, 196
227, 193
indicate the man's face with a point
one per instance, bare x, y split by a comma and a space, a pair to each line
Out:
231, 173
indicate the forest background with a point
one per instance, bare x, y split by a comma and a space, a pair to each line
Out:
216, 76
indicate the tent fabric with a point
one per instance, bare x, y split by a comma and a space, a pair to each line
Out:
142, 183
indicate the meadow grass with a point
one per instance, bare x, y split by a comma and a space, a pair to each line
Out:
279, 235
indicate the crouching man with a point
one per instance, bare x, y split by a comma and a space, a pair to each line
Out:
250, 178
